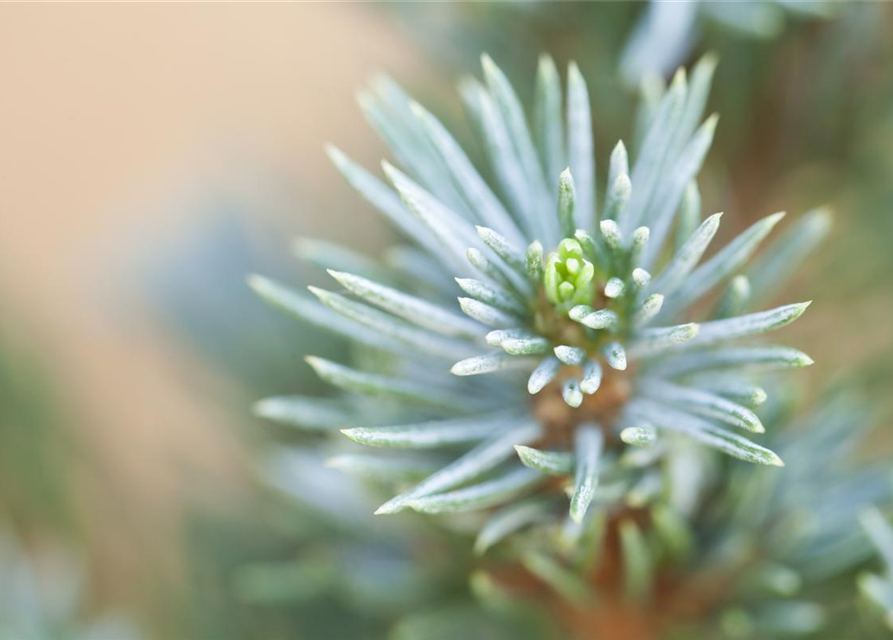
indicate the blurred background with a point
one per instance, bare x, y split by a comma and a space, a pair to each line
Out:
154, 154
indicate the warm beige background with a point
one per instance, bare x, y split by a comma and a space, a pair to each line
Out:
111, 115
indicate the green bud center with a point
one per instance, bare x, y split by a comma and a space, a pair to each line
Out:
568, 277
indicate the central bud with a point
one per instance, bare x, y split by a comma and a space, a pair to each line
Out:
568, 277
580, 389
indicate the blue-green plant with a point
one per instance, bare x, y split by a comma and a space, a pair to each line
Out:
557, 289
571, 408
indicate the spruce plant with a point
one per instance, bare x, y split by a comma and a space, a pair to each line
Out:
580, 379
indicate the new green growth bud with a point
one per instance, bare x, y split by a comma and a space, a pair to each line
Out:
568, 276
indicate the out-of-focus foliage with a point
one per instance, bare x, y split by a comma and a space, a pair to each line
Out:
36, 448
44, 590
878, 589
44, 596
305, 558
349, 574
797, 537
198, 287
665, 35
